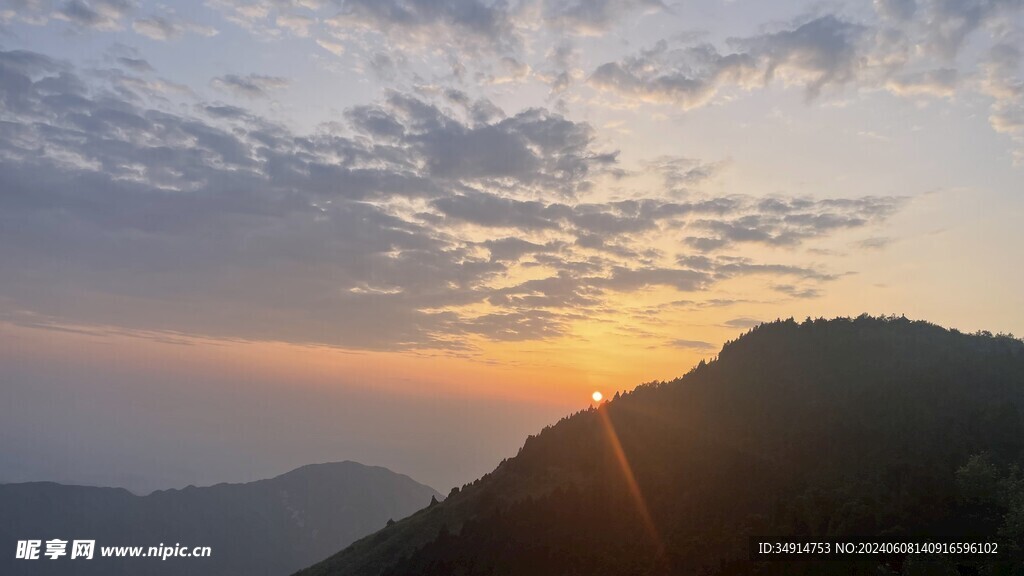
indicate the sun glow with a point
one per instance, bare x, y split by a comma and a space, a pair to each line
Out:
597, 396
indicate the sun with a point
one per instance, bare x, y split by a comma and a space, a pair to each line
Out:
597, 396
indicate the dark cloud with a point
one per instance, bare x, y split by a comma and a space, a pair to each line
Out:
794, 291
534, 149
821, 52
137, 198
569, 289
601, 244
876, 243
698, 345
518, 326
459, 21
228, 112
742, 323
495, 211
730, 267
103, 15
384, 65
250, 85
375, 121
635, 217
513, 249
705, 244
789, 222
688, 77
135, 64
724, 267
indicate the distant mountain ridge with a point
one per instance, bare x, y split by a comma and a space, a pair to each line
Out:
824, 429
267, 527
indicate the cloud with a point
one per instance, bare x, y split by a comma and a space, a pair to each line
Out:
1002, 80
297, 24
794, 291
335, 48
100, 15
420, 22
689, 78
592, 16
948, 23
899, 10
535, 148
698, 345
365, 234
513, 249
497, 212
35, 12
250, 85
742, 323
816, 54
910, 50
789, 222
498, 31
680, 174
135, 64
566, 290
939, 82
507, 70
723, 222
875, 243
822, 52
517, 326
733, 266
169, 27
623, 279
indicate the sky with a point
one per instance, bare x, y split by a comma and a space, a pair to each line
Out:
238, 237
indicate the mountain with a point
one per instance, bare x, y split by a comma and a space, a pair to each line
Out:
827, 429
269, 527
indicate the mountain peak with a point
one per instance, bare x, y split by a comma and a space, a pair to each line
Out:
268, 527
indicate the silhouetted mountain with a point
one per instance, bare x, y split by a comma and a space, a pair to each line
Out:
269, 527
866, 427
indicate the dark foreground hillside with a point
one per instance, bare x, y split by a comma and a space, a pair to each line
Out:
269, 527
880, 428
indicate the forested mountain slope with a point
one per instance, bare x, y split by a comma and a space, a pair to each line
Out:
878, 427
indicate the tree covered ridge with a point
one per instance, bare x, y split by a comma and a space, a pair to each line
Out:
817, 429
